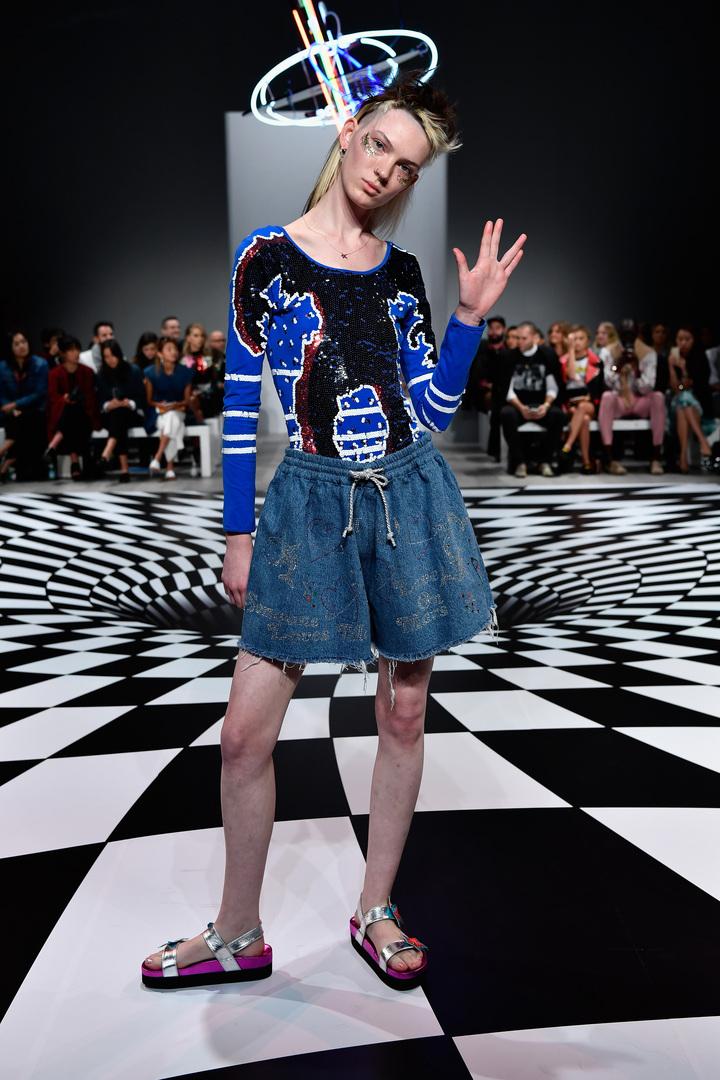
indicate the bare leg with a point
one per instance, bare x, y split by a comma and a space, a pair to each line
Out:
259, 697
395, 786
588, 411
694, 424
576, 423
164, 440
55, 441
682, 430
123, 458
109, 448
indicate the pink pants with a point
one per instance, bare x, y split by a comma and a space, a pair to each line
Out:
612, 407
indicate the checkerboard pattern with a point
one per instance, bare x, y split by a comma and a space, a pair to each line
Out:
562, 864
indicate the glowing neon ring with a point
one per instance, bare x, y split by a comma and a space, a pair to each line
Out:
259, 99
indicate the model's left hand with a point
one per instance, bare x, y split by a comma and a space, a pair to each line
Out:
481, 286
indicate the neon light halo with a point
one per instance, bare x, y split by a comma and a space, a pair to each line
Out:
266, 111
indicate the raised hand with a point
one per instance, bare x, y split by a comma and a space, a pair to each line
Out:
482, 286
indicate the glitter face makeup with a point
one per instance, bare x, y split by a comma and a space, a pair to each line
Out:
374, 147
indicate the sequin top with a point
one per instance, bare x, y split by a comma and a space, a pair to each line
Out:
352, 355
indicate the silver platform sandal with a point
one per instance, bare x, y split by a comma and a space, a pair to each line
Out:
398, 980
223, 967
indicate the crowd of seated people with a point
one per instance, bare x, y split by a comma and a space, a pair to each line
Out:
51, 402
565, 380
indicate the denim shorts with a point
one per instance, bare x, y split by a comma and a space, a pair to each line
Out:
356, 560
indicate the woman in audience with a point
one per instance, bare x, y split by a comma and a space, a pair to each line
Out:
23, 400
196, 357
121, 396
168, 386
557, 337
607, 342
691, 400
582, 378
72, 407
146, 350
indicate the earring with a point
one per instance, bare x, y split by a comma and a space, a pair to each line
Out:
342, 151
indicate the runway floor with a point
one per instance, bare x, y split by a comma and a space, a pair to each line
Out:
562, 865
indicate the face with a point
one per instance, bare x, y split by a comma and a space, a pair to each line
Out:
602, 336
71, 357
555, 334
171, 328
169, 352
512, 339
684, 341
581, 342
384, 154
659, 336
196, 339
495, 329
149, 351
104, 333
217, 341
526, 337
110, 359
20, 346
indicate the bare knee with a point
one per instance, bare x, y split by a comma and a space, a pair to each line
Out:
405, 721
261, 690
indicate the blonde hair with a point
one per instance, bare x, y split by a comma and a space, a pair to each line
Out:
436, 115
613, 336
188, 330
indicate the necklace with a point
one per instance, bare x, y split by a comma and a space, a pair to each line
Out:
343, 253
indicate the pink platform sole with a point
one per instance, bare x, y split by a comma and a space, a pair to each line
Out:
210, 972
398, 980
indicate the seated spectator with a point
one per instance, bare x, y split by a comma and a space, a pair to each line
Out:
205, 377
121, 397
168, 388
531, 396
511, 338
713, 355
146, 350
23, 401
170, 327
49, 337
582, 384
631, 393
557, 337
92, 357
659, 340
217, 344
691, 397
607, 342
489, 379
72, 408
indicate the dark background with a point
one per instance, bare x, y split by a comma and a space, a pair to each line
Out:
589, 130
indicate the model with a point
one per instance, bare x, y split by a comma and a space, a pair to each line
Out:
364, 549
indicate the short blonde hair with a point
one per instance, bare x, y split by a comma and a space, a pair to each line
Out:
436, 115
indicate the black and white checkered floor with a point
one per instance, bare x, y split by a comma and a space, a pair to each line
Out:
562, 864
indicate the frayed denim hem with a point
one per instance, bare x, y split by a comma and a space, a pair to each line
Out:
359, 665
491, 627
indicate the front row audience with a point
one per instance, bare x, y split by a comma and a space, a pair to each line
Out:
551, 390
558, 389
52, 404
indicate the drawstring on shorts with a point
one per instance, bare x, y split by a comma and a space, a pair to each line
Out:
380, 480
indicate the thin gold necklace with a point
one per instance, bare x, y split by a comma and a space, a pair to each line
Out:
343, 253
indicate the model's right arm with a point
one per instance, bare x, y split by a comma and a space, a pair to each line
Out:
248, 319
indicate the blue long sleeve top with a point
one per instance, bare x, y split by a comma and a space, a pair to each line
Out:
352, 355
29, 390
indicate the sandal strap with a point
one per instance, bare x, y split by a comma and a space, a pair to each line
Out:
395, 947
169, 957
224, 951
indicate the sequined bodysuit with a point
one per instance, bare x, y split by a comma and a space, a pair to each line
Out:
352, 355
